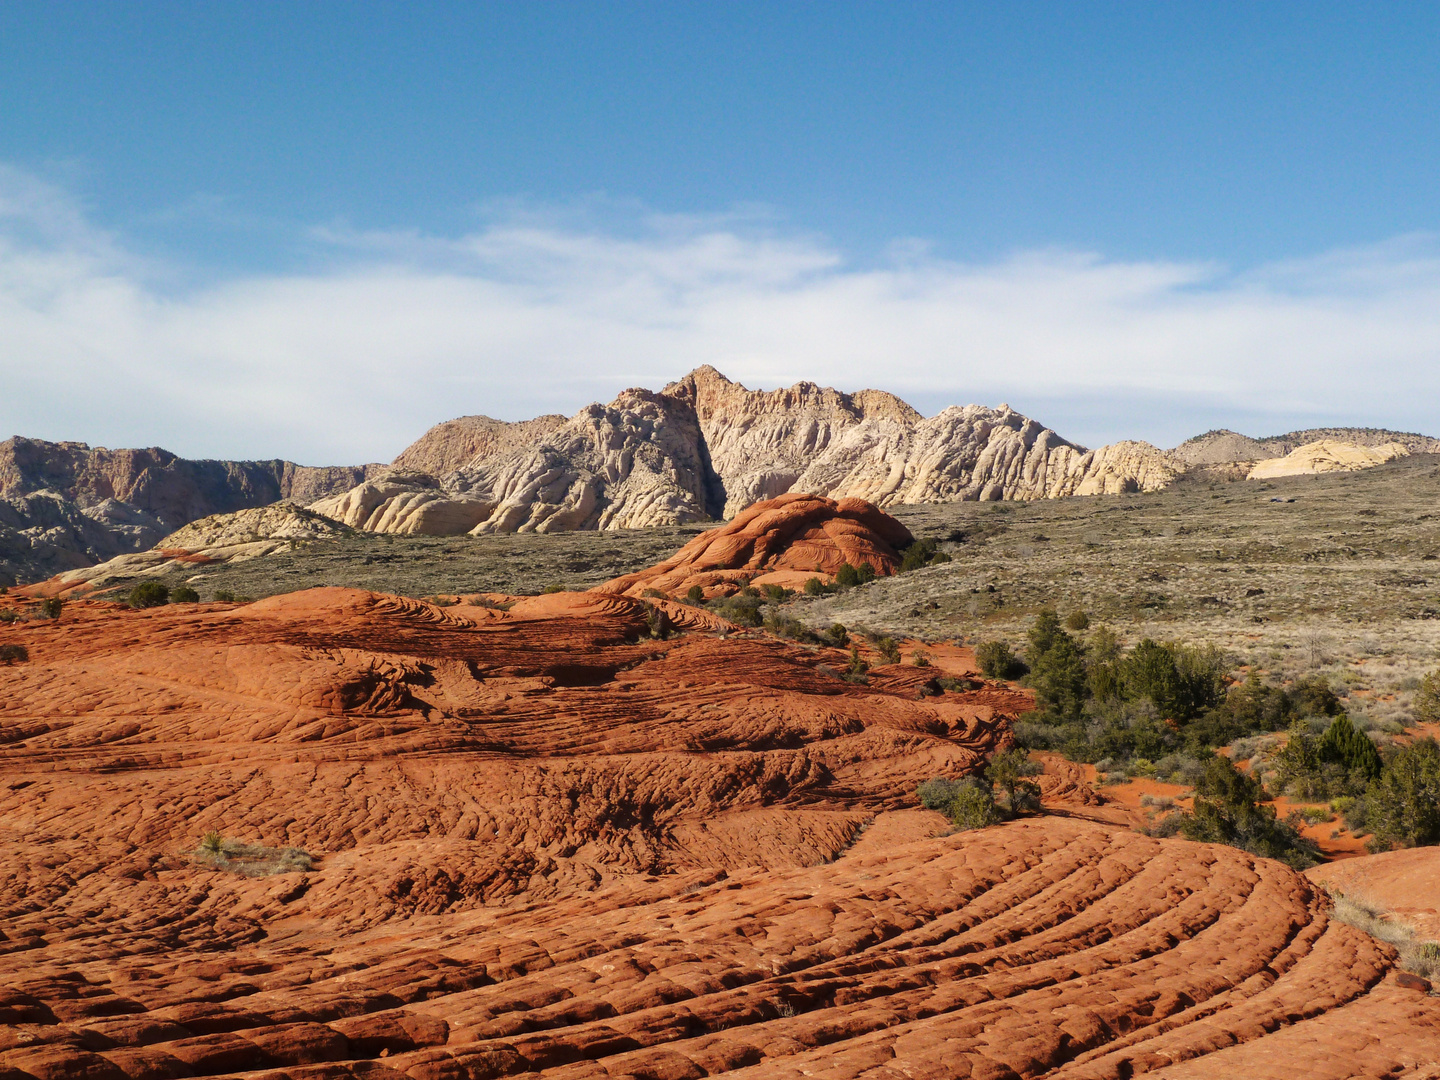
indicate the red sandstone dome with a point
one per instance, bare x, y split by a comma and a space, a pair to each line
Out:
782, 541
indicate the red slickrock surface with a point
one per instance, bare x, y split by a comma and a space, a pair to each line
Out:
547, 843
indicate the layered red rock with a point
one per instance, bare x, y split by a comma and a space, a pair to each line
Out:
782, 541
547, 842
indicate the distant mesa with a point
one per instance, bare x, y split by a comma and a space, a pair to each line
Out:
783, 541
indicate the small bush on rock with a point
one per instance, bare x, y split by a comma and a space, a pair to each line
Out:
13, 654
184, 595
968, 803
856, 670
1011, 770
695, 594
51, 607
149, 594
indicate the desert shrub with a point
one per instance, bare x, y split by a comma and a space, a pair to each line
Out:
815, 587
920, 658
653, 594
8, 615
1011, 769
865, 573
1312, 696
1342, 761
554, 588
857, 670
695, 594
657, 622
741, 610
51, 607
837, 637
1122, 730
212, 842
13, 654
1229, 810
973, 805
889, 649
1033, 735
776, 593
1077, 621
149, 594
936, 794
847, 577
1057, 667
228, 597
783, 625
1427, 699
1402, 807
924, 552
996, 661
968, 803
1349, 748
184, 594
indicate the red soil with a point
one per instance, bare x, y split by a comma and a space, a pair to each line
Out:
783, 541
548, 843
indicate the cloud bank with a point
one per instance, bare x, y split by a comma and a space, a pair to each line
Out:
394, 331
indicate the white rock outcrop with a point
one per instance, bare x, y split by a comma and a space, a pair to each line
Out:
219, 538
1327, 455
407, 503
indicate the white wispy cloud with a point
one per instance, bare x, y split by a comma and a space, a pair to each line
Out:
543, 313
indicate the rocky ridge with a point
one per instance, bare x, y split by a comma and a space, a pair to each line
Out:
456, 443
1222, 446
706, 447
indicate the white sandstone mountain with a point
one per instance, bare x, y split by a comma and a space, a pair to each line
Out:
705, 447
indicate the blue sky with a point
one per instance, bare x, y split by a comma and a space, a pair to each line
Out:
1129, 220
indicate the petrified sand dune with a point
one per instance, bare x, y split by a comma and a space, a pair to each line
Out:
406, 503
780, 541
548, 843
1326, 455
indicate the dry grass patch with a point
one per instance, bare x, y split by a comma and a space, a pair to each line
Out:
1418, 956
250, 860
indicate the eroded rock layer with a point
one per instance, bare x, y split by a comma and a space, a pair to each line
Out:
547, 843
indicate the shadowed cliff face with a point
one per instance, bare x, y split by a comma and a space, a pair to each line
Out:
66, 505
